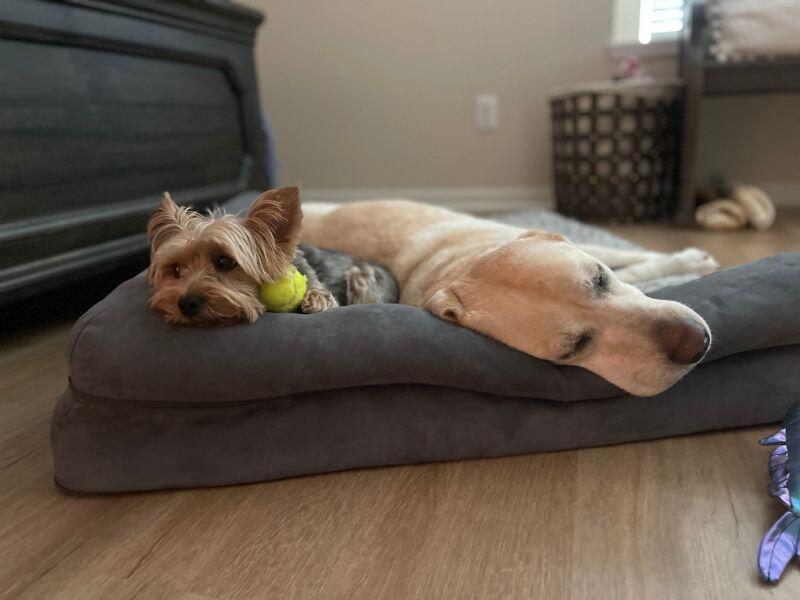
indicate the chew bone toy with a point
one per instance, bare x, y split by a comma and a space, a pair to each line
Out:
782, 541
734, 207
284, 294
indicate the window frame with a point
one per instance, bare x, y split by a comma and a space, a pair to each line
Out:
625, 34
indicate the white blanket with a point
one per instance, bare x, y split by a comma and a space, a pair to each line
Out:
752, 29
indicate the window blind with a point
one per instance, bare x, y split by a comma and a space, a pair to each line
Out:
660, 19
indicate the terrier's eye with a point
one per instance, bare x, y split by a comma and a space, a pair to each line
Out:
224, 263
176, 270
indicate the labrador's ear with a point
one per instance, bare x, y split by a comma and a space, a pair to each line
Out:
446, 305
167, 220
275, 216
542, 235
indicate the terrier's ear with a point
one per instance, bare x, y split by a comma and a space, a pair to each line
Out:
167, 220
542, 235
446, 305
276, 215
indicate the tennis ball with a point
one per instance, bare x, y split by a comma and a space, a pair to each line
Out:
284, 294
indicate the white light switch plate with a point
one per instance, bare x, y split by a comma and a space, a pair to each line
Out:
487, 112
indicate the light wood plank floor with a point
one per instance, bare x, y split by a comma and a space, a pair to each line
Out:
675, 518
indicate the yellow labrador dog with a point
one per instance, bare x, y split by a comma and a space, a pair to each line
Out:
530, 289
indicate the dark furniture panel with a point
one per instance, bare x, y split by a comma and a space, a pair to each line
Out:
90, 126
104, 105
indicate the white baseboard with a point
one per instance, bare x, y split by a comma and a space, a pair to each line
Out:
466, 199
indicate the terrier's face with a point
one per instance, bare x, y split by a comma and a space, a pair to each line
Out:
206, 270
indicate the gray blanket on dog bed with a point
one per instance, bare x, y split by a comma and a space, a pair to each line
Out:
150, 406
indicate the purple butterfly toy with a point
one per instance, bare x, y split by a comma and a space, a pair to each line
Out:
782, 541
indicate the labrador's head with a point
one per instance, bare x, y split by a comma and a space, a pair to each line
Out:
543, 296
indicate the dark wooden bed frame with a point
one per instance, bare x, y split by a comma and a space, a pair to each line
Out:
103, 105
704, 76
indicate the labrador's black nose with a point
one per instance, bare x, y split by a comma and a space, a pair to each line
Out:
190, 304
684, 341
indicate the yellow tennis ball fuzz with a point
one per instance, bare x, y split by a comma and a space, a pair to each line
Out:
284, 294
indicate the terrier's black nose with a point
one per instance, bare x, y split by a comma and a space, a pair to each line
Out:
190, 304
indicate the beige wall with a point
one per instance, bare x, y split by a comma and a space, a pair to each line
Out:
755, 139
378, 93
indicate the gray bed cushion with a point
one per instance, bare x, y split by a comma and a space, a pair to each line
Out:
150, 406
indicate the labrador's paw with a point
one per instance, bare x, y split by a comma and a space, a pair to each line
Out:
361, 285
318, 300
694, 260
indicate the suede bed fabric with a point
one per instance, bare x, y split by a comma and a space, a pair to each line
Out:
120, 349
150, 406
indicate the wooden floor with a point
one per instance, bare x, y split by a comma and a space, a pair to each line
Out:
676, 518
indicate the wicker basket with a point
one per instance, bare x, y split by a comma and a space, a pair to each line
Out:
616, 150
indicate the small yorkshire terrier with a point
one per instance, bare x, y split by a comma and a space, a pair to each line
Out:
206, 270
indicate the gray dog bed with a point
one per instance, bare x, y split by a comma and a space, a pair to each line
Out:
150, 406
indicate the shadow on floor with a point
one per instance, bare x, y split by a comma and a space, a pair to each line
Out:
61, 306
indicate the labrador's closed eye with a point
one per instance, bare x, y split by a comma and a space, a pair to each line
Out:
576, 345
600, 282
